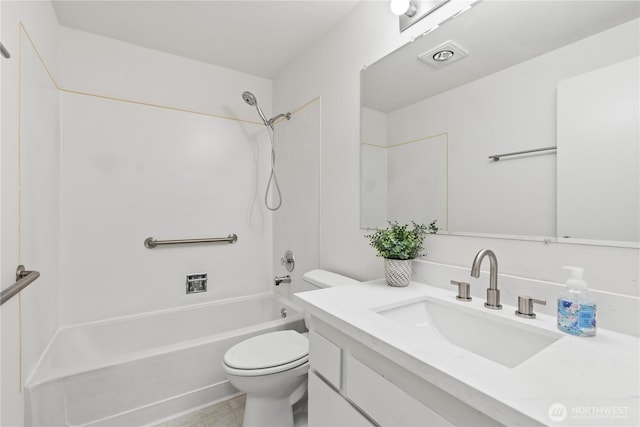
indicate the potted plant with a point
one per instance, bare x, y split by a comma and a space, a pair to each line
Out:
398, 245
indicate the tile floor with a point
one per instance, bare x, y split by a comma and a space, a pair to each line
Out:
224, 414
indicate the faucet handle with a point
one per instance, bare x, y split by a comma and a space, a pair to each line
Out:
463, 291
525, 307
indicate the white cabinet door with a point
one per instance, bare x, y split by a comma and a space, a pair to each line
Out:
328, 409
384, 402
326, 358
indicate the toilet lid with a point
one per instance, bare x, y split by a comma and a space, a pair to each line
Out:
267, 350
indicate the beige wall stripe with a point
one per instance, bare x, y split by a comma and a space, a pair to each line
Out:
33, 45
408, 142
166, 107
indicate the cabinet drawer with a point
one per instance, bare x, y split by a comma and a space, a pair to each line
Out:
327, 408
385, 402
325, 358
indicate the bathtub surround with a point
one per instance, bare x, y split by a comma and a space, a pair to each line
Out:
151, 171
298, 166
30, 165
103, 235
129, 189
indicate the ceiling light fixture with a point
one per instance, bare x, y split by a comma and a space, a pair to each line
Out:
410, 11
442, 55
403, 7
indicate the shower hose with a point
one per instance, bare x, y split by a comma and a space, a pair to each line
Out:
273, 180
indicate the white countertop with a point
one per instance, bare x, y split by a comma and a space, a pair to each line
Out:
595, 378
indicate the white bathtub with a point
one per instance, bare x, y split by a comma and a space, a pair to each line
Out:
136, 370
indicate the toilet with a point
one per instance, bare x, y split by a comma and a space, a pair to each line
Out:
272, 368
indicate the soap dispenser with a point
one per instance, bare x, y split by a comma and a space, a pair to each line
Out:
576, 306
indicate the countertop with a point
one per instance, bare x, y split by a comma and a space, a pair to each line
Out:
596, 379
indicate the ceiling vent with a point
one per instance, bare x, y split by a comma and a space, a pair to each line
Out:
444, 54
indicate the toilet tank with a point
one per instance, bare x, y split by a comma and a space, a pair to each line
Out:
319, 279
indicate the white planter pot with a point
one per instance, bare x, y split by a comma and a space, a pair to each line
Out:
397, 271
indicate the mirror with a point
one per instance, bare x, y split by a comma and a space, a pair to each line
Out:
523, 75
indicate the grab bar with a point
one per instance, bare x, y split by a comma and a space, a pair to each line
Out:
496, 157
23, 279
151, 243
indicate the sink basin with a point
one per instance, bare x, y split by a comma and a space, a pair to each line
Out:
501, 340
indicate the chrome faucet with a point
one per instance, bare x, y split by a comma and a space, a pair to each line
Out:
493, 293
281, 279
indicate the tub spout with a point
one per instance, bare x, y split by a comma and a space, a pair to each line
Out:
281, 279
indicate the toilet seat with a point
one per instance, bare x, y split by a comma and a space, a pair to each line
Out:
267, 354
266, 371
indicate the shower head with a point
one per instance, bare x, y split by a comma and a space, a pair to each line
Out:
250, 99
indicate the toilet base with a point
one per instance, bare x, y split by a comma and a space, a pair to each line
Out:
271, 392
267, 412
301, 412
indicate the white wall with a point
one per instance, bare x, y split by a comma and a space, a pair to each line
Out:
134, 170
30, 194
331, 69
296, 222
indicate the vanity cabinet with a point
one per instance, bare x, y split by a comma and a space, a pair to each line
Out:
328, 408
351, 384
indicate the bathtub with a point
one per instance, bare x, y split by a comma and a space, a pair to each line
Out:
137, 370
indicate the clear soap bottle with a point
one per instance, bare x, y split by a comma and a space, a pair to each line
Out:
576, 306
